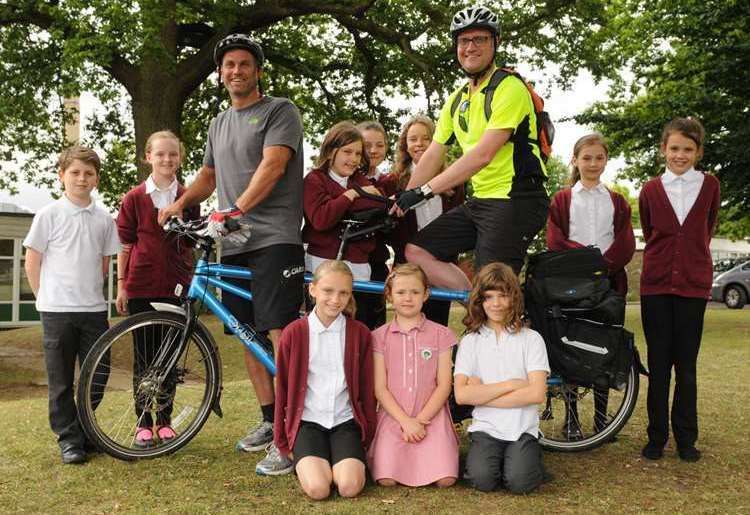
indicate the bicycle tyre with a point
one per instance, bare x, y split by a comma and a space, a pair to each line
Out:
107, 407
551, 430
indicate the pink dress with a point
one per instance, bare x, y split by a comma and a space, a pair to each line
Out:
411, 363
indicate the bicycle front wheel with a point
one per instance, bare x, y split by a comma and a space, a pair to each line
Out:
136, 377
576, 418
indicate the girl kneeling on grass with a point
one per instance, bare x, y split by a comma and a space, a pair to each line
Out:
501, 369
415, 443
325, 406
149, 267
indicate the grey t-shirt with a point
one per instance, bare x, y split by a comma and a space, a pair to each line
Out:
234, 148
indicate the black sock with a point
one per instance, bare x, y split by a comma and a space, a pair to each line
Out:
267, 412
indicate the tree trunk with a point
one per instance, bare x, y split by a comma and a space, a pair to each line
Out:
157, 99
157, 106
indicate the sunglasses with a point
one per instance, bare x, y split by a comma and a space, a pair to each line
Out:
463, 114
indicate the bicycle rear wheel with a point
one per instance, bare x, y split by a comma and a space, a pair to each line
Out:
576, 418
127, 383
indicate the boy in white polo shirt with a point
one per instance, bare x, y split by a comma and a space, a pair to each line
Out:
67, 257
501, 369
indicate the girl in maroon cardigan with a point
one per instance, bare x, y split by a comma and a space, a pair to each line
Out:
372, 306
678, 212
149, 267
601, 217
329, 195
589, 213
325, 401
414, 139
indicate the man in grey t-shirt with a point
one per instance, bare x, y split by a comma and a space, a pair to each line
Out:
254, 160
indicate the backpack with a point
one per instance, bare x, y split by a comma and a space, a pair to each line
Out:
545, 130
569, 302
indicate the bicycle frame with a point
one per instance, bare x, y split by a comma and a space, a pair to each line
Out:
210, 274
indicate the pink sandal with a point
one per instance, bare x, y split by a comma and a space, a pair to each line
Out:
144, 438
165, 433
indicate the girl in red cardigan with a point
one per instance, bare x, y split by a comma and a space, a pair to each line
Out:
372, 306
325, 402
149, 267
414, 139
589, 213
329, 195
678, 212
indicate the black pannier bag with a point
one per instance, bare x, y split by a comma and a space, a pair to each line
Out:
568, 300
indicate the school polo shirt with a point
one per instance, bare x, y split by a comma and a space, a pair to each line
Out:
72, 240
493, 359
512, 108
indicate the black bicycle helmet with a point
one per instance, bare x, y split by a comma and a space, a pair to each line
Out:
242, 41
474, 18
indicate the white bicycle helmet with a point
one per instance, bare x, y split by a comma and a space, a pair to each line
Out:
242, 41
474, 18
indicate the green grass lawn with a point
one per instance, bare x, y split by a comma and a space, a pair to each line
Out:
208, 476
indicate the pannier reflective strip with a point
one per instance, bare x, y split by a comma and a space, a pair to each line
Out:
584, 346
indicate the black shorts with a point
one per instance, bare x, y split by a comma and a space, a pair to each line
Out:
497, 230
278, 277
338, 443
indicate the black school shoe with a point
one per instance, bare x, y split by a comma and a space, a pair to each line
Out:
71, 453
689, 454
652, 451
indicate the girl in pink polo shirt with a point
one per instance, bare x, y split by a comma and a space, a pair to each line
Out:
149, 267
415, 443
678, 212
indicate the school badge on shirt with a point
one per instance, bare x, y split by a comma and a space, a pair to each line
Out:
426, 354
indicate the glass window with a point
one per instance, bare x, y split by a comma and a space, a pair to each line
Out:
27, 312
6, 248
6, 312
6, 279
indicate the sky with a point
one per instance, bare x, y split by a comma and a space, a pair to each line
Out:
560, 104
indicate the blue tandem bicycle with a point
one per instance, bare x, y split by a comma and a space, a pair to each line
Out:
183, 373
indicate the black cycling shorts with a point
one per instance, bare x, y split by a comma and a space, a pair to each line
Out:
278, 277
497, 230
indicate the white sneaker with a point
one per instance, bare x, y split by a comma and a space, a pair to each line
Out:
257, 438
274, 464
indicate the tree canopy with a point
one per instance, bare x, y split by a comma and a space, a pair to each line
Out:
149, 64
685, 58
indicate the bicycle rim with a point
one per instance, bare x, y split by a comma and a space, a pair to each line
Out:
576, 418
126, 380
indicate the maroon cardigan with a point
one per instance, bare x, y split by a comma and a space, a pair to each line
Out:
617, 255
407, 226
157, 262
677, 259
325, 205
291, 381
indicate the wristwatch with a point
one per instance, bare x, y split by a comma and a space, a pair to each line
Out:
426, 190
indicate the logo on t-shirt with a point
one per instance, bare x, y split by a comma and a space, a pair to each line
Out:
253, 120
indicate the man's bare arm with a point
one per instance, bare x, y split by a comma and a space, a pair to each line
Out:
268, 173
201, 188
468, 164
428, 166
